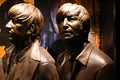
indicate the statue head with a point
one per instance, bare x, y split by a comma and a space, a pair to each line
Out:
25, 20
73, 22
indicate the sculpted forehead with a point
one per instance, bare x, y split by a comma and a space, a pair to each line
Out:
70, 9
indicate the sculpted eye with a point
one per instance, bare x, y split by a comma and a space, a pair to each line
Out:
72, 18
20, 28
15, 21
61, 19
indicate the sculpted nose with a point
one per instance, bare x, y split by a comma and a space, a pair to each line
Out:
9, 24
65, 23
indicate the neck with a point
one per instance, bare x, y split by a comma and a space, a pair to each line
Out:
21, 44
75, 43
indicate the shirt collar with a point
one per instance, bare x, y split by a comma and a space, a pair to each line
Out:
84, 55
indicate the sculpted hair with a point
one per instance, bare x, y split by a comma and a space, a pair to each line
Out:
28, 14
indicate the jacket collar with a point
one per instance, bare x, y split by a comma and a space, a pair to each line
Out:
9, 49
83, 57
35, 52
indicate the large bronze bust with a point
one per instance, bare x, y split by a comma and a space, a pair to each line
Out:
25, 59
81, 60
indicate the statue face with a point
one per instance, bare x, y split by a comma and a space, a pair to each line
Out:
16, 29
69, 26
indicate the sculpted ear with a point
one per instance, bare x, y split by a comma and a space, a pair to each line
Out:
31, 29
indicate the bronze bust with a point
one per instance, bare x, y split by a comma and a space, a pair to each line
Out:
81, 60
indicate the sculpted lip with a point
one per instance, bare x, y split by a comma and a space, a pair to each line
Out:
9, 33
67, 32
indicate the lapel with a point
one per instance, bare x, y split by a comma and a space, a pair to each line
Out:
34, 56
29, 61
6, 58
29, 67
82, 60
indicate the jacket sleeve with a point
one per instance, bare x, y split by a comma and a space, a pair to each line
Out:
46, 71
106, 72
